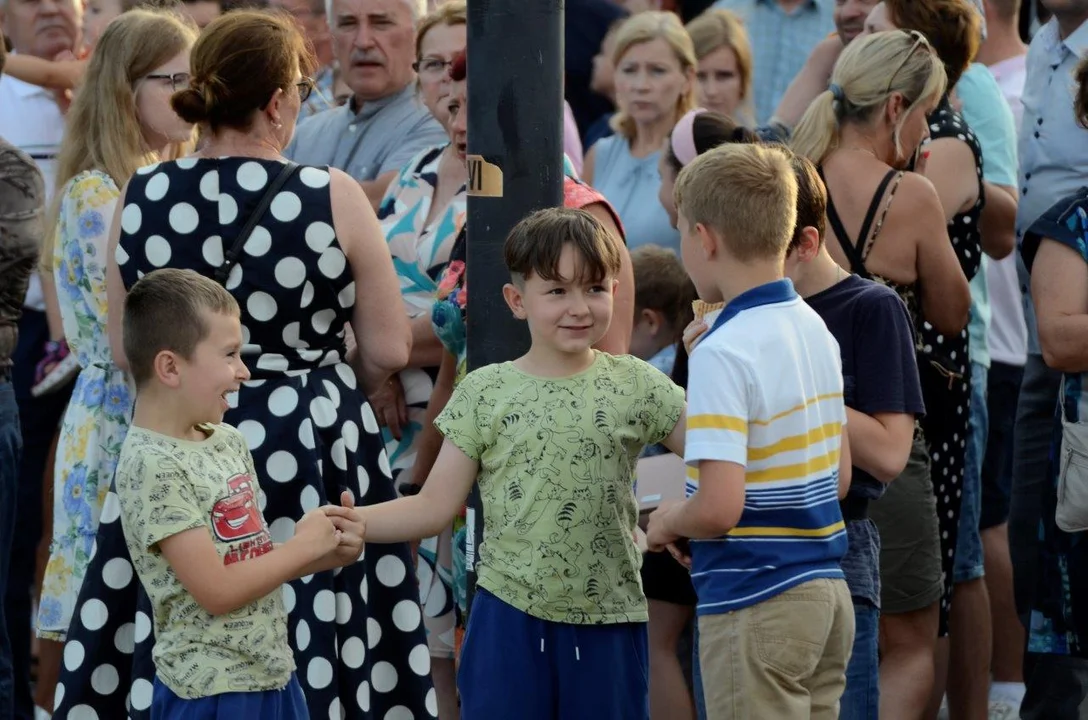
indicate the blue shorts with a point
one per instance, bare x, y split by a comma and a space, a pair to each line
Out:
285, 704
861, 699
514, 665
968, 562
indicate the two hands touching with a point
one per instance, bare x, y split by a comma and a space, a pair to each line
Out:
334, 533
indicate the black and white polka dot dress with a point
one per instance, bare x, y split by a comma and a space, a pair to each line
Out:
944, 368
357, 634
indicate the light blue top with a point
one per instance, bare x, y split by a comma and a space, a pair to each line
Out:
631, 184
1053, 148
990, 118
380, 138
781, 42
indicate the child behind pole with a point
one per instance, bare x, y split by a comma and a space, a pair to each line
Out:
766, 448
190, 510
558, 626
663, 297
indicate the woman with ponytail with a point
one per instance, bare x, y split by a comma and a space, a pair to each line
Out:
889, 225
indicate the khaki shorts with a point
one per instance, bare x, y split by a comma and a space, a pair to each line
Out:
910, 547
785, 657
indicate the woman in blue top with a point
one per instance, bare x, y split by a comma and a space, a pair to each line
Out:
655, 81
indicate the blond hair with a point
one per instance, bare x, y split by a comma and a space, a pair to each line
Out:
643, 28
716, 29
450, 13
869, 71
746, 194
102, 129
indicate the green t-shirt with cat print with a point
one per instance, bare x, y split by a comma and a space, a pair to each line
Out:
167, 486
557, 461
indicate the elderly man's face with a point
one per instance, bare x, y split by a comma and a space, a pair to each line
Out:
374, 41
43, 28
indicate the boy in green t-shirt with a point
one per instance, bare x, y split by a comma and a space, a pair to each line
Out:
190, 513
558, 627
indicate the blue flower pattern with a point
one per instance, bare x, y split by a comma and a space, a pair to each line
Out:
98, 416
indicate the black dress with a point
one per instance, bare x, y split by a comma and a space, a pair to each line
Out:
357, 633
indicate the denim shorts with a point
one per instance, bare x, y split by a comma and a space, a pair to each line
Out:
861, 699
968, 564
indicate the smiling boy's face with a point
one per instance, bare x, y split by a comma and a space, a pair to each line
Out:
569, 314
215, 368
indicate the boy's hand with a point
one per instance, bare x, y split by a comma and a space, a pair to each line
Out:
657, 534
695, 330
316, 532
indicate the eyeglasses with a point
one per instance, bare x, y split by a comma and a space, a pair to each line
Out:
178, 81
305, 88
431, 66
919, 40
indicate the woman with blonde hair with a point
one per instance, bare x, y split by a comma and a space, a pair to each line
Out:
120, 120
724, 71
655, 79
889, 225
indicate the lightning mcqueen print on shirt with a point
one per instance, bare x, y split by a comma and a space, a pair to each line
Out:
237, 517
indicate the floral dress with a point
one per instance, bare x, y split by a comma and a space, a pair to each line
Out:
420, 254
99, 413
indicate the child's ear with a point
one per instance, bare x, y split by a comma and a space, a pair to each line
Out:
708, 240
809, 247
515, 300
167, 366
615, 286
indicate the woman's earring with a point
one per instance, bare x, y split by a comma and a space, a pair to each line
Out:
277, 124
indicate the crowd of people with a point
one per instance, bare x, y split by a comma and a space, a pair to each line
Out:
825, 252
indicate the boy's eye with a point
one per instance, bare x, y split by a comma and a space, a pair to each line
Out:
598, 289
556, 291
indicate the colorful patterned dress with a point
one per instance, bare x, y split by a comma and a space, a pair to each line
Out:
99, 413
420, 254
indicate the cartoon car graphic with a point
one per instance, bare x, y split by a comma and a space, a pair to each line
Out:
236, 516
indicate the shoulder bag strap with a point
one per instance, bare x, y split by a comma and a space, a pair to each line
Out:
231, 258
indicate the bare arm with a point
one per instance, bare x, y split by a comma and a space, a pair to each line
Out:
942, 287
880, 443
809, 82
998, 222
617, 341
1059, 286
846, 466
221, 589
375, 189
715, 508
425, 514
52, 74
951, 169
115, 289
430, 440
380, 320
427, 349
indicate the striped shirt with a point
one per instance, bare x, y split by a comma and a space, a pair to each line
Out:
766, 392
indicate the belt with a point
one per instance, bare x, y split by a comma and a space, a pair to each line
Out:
854, 508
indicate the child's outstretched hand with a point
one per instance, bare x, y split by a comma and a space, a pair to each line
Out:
317, 532
351, 524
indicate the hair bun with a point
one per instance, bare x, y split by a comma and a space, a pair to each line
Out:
191, 105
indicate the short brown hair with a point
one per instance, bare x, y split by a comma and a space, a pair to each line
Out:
536, 243
745, 193
953, 28
662, 284
164, 311
811, 200
240, 60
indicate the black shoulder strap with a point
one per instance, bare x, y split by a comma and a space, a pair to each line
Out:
853, 254
231, 258
870, 214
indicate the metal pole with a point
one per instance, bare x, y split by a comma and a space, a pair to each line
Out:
515, 145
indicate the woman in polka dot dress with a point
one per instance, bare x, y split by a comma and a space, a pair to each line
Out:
315, 263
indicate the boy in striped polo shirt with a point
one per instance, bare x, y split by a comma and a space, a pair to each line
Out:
765, 443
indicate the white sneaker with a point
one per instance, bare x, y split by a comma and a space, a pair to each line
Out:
1004, 709
40, 714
